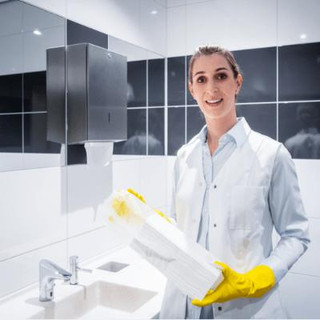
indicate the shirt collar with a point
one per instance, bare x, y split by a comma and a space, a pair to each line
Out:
238, 133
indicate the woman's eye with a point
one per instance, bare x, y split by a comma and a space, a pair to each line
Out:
200, 80
221, 76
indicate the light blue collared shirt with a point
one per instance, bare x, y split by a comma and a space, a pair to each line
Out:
212, 164
284, 174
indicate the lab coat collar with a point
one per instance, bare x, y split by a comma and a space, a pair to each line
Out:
239, 132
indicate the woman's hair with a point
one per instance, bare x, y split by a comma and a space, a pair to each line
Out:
208, 50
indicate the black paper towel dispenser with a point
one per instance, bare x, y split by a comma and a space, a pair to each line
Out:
96, 87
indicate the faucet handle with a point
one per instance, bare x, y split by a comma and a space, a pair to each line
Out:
74, 268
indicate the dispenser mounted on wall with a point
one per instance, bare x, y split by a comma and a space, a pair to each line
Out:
96, 96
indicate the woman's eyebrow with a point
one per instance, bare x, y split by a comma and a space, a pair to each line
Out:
199, 72
217, 70
221, 68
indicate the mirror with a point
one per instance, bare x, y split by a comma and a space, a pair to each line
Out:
145, 97
26, 34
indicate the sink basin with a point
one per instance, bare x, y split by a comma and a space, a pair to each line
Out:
113, 266
100, 300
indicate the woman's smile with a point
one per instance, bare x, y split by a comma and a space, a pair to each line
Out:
213, 103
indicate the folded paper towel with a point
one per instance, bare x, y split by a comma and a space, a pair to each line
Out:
187, 264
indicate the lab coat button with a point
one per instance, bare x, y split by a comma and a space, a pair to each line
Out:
215, 186
220, 308
214, 224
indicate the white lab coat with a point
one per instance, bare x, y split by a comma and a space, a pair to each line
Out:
240, 221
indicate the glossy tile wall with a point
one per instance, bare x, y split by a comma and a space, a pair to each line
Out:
275, 98
26, 33
146, 109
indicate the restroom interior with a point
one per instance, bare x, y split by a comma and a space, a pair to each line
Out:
54, 201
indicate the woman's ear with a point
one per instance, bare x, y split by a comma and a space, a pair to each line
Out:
239, 83
190, 86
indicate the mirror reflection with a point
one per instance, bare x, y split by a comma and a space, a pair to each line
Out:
145, 97
26, 33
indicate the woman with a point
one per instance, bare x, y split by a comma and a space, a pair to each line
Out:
232, 185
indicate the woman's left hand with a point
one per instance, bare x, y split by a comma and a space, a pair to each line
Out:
253, 284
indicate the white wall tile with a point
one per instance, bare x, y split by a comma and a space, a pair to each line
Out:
124, 19
11, 53
232, 24
153, 180
153, 22
35, 46
23, 270
33, 210
300, 295
104, 239
10, 17
35, 18
176, 31
11, 161
132, 52
175, 3
57, 6
308, 172
170, 173
88, 190
126, 174
297, 18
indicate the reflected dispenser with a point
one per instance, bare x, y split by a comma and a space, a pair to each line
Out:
96, 84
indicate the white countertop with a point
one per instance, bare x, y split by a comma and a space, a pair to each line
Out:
139, 274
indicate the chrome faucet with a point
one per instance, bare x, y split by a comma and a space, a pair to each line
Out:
74, 268
48, 273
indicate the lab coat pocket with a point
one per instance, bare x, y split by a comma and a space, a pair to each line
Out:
247, 206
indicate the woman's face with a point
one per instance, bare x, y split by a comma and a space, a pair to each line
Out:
214, 86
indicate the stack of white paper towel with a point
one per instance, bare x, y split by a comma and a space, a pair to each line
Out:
187, 264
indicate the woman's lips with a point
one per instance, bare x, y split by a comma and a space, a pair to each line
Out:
213, 102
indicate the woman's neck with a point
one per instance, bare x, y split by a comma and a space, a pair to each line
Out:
216, 129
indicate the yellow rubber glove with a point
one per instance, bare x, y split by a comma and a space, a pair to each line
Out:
253, 284
140, 197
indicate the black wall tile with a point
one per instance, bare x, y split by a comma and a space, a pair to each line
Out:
299, 72
176, 129
156, 131
78, 33
11, 93
195, 121
137, 84
156, 82
258, 67
299, 129
176, 81
10, 133
34, 91
35, 135
261, 118
137, 142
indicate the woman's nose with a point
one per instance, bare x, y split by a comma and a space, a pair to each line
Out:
211, 87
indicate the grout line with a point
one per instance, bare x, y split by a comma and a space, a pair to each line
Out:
22, 113
53, 243
185, 101
304, 274
166, 106
277, 93
147, 106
